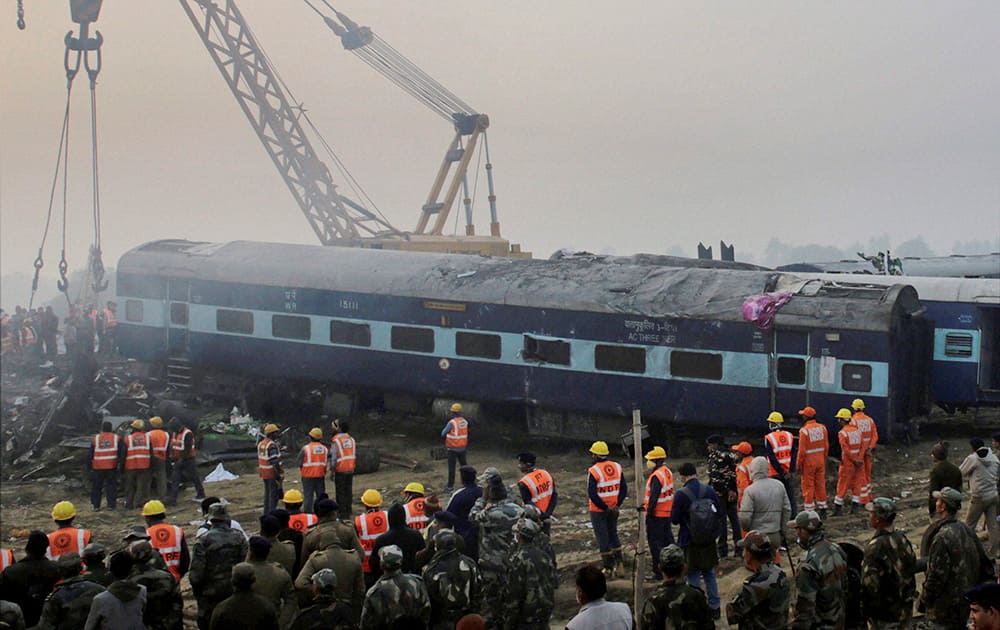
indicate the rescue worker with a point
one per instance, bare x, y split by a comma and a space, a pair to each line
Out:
413, 503
779, 447
182, 454
821, 578
452, 582
164, 606
30, 580
271, 581
397, 600
66, 538
159, 443
981, 468
869, 438
324, 613
745, 450
94, 567
529, 595
537, 487
138, 454
496, 517
244, 609
722, 464
106, 451
6, 558
269, 466
675, 603
297, 519
852, 462
658, 503
456, 441
765, 507
312, 467
69, 604
370, 525
346, 563
214, 556
607, 490
888, 587
343, 457
944, 474
763, 600
814, 446
167, 539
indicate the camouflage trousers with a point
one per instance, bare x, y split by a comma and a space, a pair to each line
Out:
492, 589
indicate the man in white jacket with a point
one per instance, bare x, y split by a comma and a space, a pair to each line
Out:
765, 506
981, 468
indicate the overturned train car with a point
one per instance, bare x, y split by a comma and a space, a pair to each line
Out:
571, 343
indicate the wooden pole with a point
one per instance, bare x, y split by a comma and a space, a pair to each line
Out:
638, 493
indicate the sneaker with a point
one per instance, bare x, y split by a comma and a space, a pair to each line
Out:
652, 577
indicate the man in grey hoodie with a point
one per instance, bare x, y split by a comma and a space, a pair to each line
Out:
765, 506
981, 468
122, 605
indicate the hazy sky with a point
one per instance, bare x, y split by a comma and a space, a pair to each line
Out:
620, 127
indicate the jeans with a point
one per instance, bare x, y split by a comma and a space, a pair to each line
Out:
104, 481
979, 507
344, 483
453, 457
272, 494
312, 487
729, 508
695, 578
184, 470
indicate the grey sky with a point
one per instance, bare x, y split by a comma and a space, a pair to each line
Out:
633, 129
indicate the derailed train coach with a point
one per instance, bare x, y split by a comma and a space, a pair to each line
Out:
572, 345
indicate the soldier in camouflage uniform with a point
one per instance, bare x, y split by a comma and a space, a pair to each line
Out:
325, 613
722, 464
762, 603
542, 540
821, 579
213, 557
346, 563
164, 606
888, 587
529, 595
675, 603
452, 582
69, 604
397, 597
955, 561
496, 515
93, 560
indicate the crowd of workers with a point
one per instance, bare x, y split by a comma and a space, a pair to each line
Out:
484, 558
34, 333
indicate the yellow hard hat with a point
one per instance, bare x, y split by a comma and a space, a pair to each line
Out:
153, 508
156, 422
599, 448
137, 424
63, 511
372, 498
271, 428
858, 404
656, 453
456, 407
316, 432
844, 414
293, 496
413, 486
775, 418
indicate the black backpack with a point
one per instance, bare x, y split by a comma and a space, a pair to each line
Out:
703, 518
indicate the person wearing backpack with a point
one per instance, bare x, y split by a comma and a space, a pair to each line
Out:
698, 512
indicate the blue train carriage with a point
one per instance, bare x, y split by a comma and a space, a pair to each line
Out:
579, 341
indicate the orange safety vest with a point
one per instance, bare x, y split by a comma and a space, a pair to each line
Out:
105, 451
743, 477
167, 540
65, 540
415, 517
813, 442
458, 433
869, 433
177, 445
264, 465
6, 559
110, 318
781, 445
158, 439
851, 444
665, 500
136, 451
370, 526
301, 521
609, 481
540, 486
314, 456
344, 445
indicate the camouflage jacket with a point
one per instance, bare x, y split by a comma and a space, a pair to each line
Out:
395, 596
529, 595
821, 581
212, 560
722, 471
453, 584
543, 542
164, 606
496, 536
69, 604
674, 605
888, 586
953, 567
324, 614
762, 603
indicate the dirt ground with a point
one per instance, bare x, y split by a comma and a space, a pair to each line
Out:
900, 471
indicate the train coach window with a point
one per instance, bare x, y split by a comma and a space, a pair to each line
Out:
291, 327
855, 377
179, 313
469, 344
791, 370
133, 310
620, 359
350, 334
545, 350
412, 339
958, 345
696, 365
234, 321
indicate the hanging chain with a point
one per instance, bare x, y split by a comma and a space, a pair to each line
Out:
20, 15
97, 265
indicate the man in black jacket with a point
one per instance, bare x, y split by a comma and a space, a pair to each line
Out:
408, 540
29, 581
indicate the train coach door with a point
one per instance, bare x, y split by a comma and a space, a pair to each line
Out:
989, 353
789, 371
178, 335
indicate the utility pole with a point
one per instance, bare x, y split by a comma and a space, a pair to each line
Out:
640, 547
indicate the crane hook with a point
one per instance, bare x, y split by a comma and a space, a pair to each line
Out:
97, 269
20, 15
63, 283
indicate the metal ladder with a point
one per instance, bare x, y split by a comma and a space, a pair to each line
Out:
179, 373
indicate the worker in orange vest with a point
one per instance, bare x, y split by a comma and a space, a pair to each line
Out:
869, 438
537, 487
814, 446
413, 505
456, 441
743, 468
159, 443
370, 525
167, 539
313, 459
779, 446
269, 466
182, 454
343, 457
108, 328
607, 490
852, 463
297, 519
138, 456
6, 558
658, 506
66, 538
106, 451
